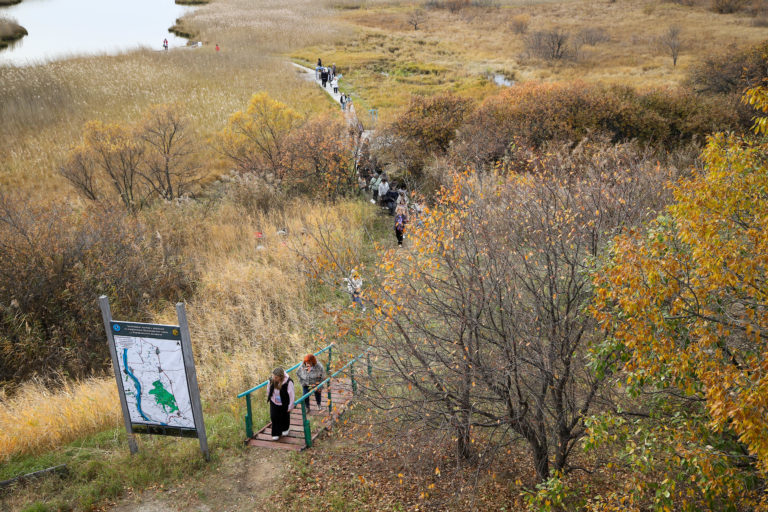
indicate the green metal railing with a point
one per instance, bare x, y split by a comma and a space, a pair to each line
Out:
247, 394
303, 399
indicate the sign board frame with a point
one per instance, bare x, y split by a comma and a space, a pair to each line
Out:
189, 369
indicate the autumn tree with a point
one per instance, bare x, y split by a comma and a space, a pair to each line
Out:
256, 140
478, 328
481, 321
171, 159
685, 303
320, 157
671, 42
416, 17
155, 158
109, 157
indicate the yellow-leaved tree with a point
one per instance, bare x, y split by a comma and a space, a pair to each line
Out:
256, 140
686, 302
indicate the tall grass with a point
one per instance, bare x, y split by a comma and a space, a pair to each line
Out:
38, 418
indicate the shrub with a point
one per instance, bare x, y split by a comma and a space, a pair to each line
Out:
320, 157
425, 128
550, 45
593, 36
54, 263
731, 71
727, 6
537, 114
520, 23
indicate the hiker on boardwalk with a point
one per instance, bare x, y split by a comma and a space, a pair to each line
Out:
333, 69
310, 375
355, 287
280, 395
343, 101
401, 219
335, 85
324, 76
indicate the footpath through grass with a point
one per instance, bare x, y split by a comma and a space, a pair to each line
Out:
100, 467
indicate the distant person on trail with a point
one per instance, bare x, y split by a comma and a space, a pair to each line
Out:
280, 395
165, 44
375, 182
333, 68
401, 219
324, 76
217, 46
383, 189
310, 375
335, 85
355, 287
342, 101
319, 63
402, 196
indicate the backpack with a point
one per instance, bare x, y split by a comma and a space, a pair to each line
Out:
400, 222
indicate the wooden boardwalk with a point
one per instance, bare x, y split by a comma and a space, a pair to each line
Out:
341, 395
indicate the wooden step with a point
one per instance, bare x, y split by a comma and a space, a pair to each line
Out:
283, 439
271, 444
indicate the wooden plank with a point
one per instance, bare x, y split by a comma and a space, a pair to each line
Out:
284, 439
269, 444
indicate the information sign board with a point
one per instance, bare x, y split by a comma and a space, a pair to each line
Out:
155, 384
156, 377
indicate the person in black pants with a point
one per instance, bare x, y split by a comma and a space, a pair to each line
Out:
280, 395
311, 374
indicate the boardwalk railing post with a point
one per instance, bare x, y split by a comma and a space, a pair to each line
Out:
305, 421
330, 400
352, 377
248, 417
330, 355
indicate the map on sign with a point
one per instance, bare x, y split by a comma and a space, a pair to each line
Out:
154, 378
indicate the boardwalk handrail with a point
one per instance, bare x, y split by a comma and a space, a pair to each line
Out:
247, 394
302, 400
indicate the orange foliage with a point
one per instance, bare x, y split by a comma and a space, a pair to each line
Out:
687, 299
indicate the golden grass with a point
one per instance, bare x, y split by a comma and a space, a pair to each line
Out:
387, 60
39, 419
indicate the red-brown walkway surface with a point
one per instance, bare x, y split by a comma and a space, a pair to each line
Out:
341, 394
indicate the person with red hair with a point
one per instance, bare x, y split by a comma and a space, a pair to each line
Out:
310, 374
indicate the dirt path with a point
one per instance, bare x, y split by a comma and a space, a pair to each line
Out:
237, 484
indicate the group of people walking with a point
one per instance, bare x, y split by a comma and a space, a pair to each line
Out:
281, 393
329, 78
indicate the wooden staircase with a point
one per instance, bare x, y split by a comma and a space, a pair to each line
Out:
341, 395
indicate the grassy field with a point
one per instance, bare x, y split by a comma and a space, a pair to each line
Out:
43, 108
387, 60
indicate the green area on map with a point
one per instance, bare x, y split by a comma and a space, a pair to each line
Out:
163, 397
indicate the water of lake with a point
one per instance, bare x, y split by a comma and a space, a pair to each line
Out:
64, 28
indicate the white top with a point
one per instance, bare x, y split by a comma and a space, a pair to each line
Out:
335, 82
383, 188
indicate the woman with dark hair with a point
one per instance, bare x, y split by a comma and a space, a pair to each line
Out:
310, 375
280, 395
